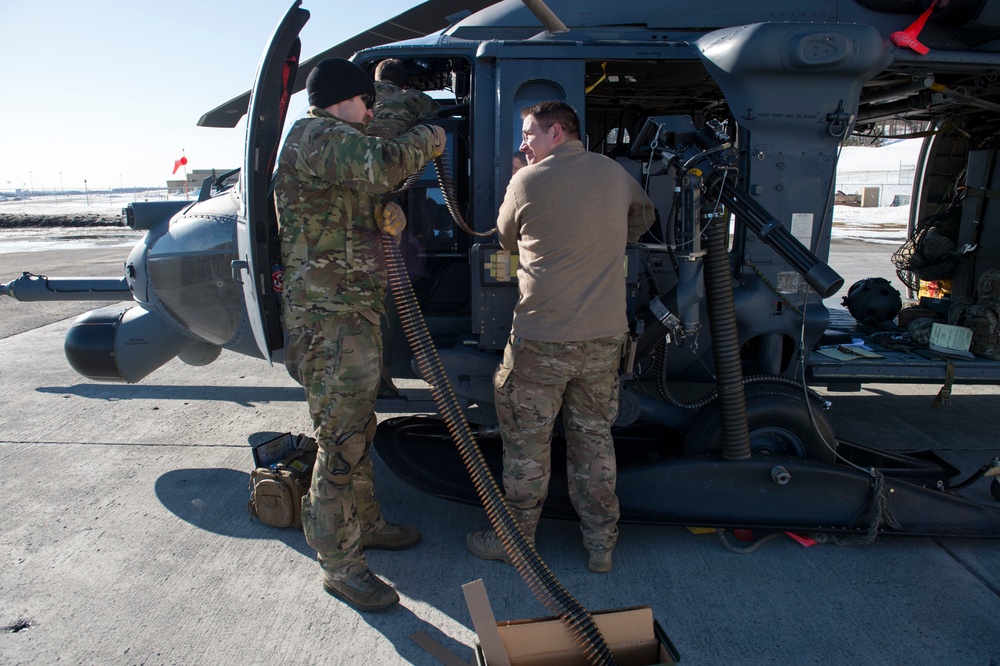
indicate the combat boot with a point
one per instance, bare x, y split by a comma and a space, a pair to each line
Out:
363, 590
486, 545
390, 537
599, 561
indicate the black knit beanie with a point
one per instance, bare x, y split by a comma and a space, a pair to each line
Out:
336, 79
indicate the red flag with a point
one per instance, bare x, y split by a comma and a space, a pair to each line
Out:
908, 38
179, 163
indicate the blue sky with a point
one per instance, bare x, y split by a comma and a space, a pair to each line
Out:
110, 91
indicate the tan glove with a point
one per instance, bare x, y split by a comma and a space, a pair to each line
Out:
440, 140
392, 221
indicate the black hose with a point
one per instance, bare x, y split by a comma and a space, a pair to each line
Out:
662, 378
529, 564
725, 344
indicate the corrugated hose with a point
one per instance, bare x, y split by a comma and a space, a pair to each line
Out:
529, 564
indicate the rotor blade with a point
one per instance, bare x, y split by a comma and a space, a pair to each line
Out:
424, 19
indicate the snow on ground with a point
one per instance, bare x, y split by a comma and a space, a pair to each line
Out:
38, 239
71, 204
897, 153
891, 169
886, 224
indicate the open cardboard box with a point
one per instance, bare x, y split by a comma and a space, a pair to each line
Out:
635, 638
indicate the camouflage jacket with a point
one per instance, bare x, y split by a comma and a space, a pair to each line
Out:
329, 186
397, 110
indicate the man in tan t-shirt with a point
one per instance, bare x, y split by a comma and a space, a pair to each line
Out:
568, 215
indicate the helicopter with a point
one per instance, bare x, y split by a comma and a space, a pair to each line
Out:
731, 115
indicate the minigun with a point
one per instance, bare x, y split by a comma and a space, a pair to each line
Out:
710, 154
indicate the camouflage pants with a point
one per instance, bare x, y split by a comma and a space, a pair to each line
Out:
338, 360
535, 381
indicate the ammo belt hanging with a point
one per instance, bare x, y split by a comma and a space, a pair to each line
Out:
529, 564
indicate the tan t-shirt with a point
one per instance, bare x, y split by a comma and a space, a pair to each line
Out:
568, 217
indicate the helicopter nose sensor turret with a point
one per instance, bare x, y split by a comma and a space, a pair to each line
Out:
121, 344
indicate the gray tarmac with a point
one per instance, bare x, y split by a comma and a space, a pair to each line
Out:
127, 538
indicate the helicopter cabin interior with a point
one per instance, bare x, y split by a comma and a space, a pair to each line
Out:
618, 88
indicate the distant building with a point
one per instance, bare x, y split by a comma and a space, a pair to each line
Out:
194, 180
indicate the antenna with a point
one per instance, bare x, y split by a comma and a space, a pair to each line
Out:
546, 16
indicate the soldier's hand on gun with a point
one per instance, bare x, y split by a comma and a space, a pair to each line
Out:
440, 139
392, 221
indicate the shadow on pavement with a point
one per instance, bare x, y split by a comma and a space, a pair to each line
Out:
245, 396
215, 500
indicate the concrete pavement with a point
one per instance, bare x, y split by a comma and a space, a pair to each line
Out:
127, 539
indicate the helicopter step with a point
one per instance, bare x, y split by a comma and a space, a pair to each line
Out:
904, 494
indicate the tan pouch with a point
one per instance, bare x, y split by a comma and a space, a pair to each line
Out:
276, 492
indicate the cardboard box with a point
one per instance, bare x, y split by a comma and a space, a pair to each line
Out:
635, 638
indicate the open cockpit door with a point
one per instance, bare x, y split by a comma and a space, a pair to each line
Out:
257, 219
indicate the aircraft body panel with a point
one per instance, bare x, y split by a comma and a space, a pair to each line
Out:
686, 19
732, 117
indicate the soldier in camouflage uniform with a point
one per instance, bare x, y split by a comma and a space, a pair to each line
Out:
397, 106
330, 181
568, 216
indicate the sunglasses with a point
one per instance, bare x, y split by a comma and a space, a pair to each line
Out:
368, 99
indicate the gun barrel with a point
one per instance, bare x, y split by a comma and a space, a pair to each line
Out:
816, 273
30, 287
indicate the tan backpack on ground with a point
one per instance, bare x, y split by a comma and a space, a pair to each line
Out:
276, 491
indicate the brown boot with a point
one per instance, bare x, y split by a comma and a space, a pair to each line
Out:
364, 590
485, 544
391, 537
600, 561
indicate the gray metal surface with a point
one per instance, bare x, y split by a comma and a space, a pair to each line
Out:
128, 541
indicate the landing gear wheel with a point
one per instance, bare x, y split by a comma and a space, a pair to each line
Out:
995, 488
779, 423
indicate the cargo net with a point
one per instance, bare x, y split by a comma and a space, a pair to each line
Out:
930, 252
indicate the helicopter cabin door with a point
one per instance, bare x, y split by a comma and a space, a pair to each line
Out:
521, 82
257, 221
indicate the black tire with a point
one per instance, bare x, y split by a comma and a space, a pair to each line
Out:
995, 488
779, 423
